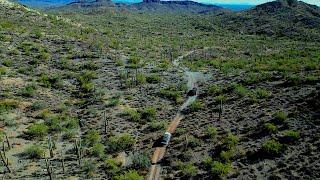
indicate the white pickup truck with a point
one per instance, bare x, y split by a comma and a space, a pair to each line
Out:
166, 138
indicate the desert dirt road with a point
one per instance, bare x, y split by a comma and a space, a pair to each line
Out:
192, 77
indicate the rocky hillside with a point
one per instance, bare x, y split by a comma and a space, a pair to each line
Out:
173, 6
290, 18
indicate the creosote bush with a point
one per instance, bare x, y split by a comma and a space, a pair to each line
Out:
210, 132
120, 143
273, 148
270, 128
140, 161
280, 116
97, 150
129, 175
92, 137
38, 130
34, 152
230, 141
220, 169
187, 169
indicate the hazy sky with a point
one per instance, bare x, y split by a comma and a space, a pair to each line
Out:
317, 2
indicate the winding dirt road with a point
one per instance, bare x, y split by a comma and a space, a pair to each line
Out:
159, 152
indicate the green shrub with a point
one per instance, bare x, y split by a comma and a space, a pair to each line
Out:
230, 141
220, 169
7, 62
153, 78
112, 166
38, 105
28, 91
291, 135
132, 114
194, 142
270, 128
171, 94
188, 169
196, 106
120, 143
141, 161
149, 113
240, 90
227, 155
34, 152
97, 150
210, 132
261, 93
69, 134
214, 90
38, 130
280, 116
272, 147
155, 125
9, 119
220, 98
3, 71
49, 81
90, 168
129, 175
8, 104
141, 79
92, 137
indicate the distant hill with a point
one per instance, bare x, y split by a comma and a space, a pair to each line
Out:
173, 6
289, 18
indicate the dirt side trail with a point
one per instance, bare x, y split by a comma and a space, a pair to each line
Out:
193, 78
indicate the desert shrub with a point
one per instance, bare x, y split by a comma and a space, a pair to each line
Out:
113, 102
9, 119
153, 78
34, 152
196, 106
69, 134
186, 155
227, 155
230, 141
220, 169
210, 132
55, 123
188, 169
272, 147
260, 93
49, 81
38, 130
180, 131
157, 125
171, 94
112, 166
119, 62
97, 150
3, 71
38, 105
149, 113
140, 161
132, 114
141, 78
220, 98
194, 142
120, 143
71, 123
92, 137
207, 161
240, 90
90, 167
270, 128
215, 90
28, 91
291, 136
280, 116
8, 104
7, 62
129, 175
